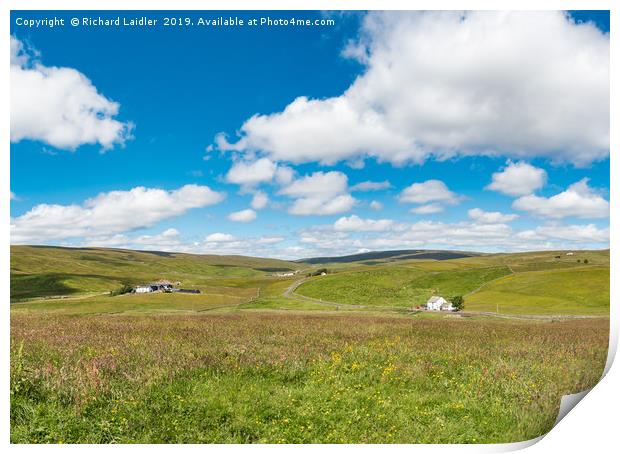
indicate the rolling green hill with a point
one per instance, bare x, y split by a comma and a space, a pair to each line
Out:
397, 285
583, 290
78, 280
524, 283
42, 271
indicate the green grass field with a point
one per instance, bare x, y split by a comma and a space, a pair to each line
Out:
249, 361
294, 378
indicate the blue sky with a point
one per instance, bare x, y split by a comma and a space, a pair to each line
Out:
490, 135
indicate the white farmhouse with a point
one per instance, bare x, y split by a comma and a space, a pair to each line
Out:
143, 289
438, 303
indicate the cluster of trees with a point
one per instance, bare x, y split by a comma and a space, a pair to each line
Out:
318, 272
122, 290
458, 303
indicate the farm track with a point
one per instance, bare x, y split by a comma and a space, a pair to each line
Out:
512, 273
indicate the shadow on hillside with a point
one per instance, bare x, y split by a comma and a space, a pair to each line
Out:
25, 286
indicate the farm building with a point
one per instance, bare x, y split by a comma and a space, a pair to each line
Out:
161, 285
570, 253
438, 303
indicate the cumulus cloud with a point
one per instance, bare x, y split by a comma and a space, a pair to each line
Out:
250, 173
322, 193
14, 196
463, 235
371, 186
109, 213
243, 216
518, 179
60, 106
356, 224
259, 200
270, 239
429, 208
579, 201
214, 243
429, 191
588, 233
168, 240
219, 237
490, 217
376, 205
445, 84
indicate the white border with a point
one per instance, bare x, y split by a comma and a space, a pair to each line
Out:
591, 426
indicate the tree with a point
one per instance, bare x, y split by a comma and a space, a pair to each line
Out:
585, 261
122, 290
319, 272
458, 303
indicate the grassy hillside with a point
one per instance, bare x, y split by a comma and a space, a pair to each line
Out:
563, 291
38, 271
398, 286
525, 283
76, 281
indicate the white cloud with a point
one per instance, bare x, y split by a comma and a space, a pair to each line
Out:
109, 213
319, 184
219, 237
376, 205
259, 200
449, 83
243, 216
574, 233
60, 106
356, 224
171, 232
371, 186
318, 130
250, 173
270, 239
284, 175
430, 208
473, 236
215, 243
429, 191
317, 206
579, 200
14, 196
490, 217
322, 193
518, 178
168, 240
